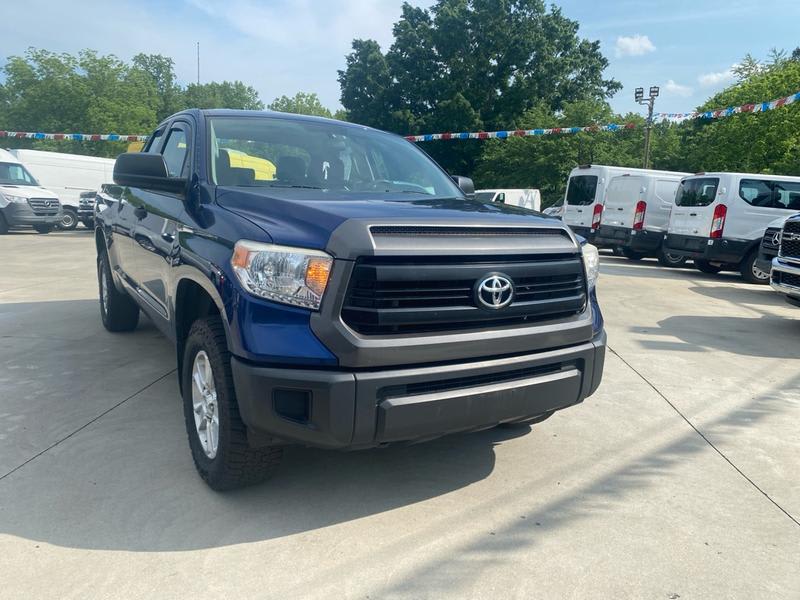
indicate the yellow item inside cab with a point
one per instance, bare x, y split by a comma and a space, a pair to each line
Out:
135, 146
263, 168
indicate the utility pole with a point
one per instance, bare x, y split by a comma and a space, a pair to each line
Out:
639, 96
198, 63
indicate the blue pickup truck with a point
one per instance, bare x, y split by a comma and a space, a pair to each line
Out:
340, 290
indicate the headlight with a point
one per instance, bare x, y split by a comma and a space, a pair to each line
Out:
591, 261
295, 276
19, 199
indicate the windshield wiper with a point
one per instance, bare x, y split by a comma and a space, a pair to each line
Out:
296, 185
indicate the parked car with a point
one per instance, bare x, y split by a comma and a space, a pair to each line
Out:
586, 193
719, 219
770, 242
636, 213
359, 298
23, 202
785, 275
68, 176
529, 198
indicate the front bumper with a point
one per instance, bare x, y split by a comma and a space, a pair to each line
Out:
641, 240
728, 251
355, 409
785, 278
764, 260
21, 215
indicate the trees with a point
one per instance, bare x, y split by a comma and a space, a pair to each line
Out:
228, 94
471, 64
302, 104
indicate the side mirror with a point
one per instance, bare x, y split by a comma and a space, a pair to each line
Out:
148, 171
466, 185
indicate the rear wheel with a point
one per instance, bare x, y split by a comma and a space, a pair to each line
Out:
667, 259
69, 220
706, 267
632, 254
43, 228
117, 310
217, 435
750, 272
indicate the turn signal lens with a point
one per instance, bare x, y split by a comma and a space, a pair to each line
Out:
317, 272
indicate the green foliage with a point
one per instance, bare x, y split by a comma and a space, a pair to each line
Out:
301, 104
471, 64
755, 143
91, 93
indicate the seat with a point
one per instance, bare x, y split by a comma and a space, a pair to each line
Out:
291, 169
228, 175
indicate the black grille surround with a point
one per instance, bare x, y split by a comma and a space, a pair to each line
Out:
790, 248
396, 295
783, 278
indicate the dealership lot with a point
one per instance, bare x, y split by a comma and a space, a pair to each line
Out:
679, 478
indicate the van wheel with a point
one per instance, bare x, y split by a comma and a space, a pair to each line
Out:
750, 272
667, 259
43, 228
69, 220
706, 267
217, 435
118, 311
632, 254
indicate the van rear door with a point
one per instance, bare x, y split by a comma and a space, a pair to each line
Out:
660, 204
694, 206
622, 195
581, 192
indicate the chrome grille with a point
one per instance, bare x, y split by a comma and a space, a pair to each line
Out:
790, 240
44, 206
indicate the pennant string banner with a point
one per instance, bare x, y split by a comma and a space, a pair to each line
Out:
465, 135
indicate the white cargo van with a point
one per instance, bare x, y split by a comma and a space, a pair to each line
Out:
720, 218
23, 202
530, 199
586, 191
636, 213
67, 175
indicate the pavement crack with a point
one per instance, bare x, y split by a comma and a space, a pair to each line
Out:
705, 439
85, 425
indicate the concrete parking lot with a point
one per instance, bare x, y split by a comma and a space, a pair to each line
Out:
680, 478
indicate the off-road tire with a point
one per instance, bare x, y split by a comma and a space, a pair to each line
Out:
706, 267
747, 269
119, 312
236, 464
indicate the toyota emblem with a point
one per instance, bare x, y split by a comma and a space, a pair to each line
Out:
494, 291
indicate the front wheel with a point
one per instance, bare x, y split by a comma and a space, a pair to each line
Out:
43, 228
750, 271
217, 435
706, 267
667, 259
69, 220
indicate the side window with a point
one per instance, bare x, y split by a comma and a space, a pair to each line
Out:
175, 151
154, 142
501, 198
787, 194
756, 192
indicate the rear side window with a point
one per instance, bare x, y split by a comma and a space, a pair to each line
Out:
581, 190
787, 194
697, 192
770, 194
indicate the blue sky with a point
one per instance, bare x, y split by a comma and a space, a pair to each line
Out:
284, 46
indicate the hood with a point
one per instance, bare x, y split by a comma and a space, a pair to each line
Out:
308, 217
27, 191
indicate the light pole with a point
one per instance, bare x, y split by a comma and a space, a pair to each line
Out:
638, 94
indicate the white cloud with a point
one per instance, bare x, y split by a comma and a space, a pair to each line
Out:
676, 89
633, 45
716, 79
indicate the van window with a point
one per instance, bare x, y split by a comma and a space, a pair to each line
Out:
15, 174
501, 198
484, 196
756, 192
787, 194
581, 190
697, 192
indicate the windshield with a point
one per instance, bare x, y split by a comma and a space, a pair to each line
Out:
282, 153
15, 174
581, 190
697, 192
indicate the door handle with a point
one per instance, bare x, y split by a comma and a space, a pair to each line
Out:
692, 214
140, 212
620, 209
